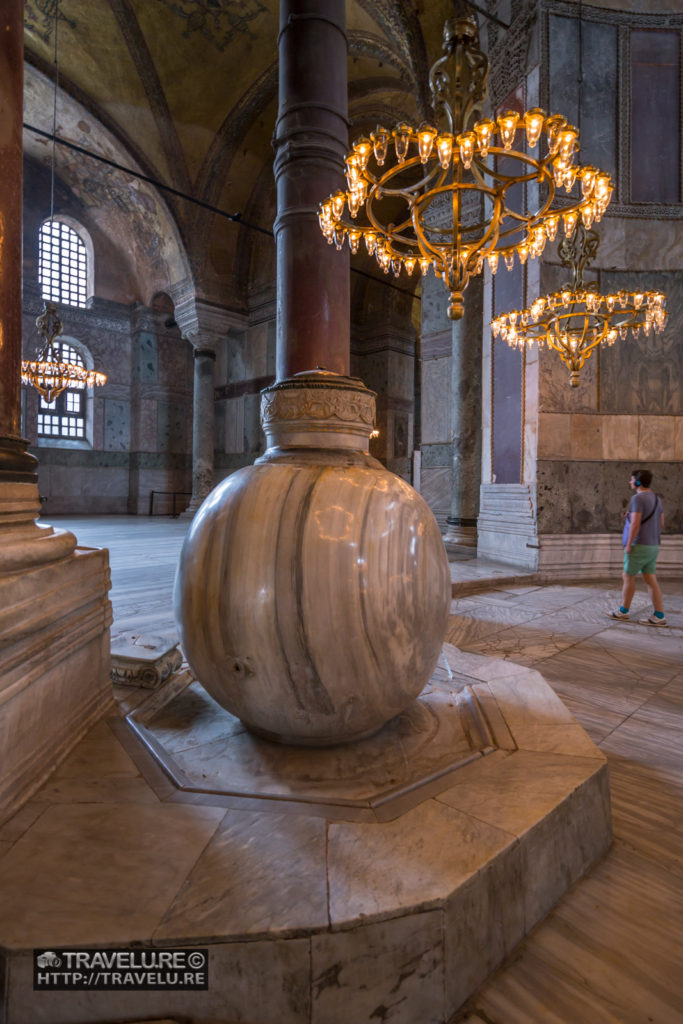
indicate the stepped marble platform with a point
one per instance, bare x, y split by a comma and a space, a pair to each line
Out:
313, 910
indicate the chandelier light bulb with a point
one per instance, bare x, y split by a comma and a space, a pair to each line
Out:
533, 124
402, 134
362, 148
507, 124
380, 142
483, 131
425, 142
444, 147
466, 143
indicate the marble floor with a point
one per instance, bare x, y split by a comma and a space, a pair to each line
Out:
609, 953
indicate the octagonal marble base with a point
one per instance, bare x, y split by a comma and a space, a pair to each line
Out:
317, 911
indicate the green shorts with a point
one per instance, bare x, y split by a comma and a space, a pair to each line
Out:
643, 558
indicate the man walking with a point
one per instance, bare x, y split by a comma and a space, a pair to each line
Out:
641, 538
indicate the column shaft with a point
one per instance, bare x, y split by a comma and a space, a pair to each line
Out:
15, 463
311, 139
466, 420
202, 426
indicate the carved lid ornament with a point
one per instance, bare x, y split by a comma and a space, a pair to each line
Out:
318, 401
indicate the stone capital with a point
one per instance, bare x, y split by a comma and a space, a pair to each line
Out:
203, 323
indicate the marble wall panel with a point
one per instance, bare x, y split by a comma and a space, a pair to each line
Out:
620, 437
401, 375
435, 487
585, 436
434, 306
250, 353
254, 438
554, 432
589, 497
176, 363
436, 401
233, 425
678, 438
554, 391
656, 436
144, 426
374, 371
174, 426
391, 972
116, 425
645, 375
145, 359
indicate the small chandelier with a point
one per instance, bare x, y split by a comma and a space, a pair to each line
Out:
48, 375
577, 318
452, 197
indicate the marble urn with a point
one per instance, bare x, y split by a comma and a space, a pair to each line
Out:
313, 587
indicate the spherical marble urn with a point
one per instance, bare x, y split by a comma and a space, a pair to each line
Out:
313, 587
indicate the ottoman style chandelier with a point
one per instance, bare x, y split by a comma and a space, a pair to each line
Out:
48, 374
468, 191
576, 319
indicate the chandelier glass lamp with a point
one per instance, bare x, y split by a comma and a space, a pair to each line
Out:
47, 373
464, 191
577, 318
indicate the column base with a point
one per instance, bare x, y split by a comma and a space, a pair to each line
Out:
23, 541
460, 536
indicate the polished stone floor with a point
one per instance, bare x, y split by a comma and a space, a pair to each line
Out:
609, 953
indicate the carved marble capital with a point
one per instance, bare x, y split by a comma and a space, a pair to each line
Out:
318, 409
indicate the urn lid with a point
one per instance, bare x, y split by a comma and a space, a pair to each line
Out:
318, 409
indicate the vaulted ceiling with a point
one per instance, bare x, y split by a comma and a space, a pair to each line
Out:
185, 92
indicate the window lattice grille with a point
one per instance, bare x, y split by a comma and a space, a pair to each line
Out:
64, 416
62, 264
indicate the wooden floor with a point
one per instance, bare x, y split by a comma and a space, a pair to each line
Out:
612, 951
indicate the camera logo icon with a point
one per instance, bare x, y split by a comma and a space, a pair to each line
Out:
48, 959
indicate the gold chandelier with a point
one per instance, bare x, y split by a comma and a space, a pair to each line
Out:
48, 374
576, 319
454, 197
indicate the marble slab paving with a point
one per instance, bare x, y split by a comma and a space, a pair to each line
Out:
61, 882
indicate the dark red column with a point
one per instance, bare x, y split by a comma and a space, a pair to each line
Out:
15, 463
311, 140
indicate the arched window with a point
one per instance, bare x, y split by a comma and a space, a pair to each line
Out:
62, 264
64, 416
